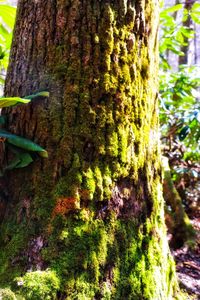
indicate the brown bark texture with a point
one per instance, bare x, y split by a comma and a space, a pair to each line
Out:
183, 60
178, 223
93, 211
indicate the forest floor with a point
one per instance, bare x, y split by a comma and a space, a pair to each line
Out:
188, 265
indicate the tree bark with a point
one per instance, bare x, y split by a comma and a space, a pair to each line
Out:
177, 220
188, 24
92, 211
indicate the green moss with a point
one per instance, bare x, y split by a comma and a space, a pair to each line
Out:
39, 285
61, 69
112, 143
123, 143
107, 183
108, 84
83, 290
89, 183
125, 74
69, 185
96, 39
145, 69
99, 184
7, 294
88, 251
106, 291
11, 247
76, 161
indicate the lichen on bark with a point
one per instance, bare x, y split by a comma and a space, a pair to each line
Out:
96, 203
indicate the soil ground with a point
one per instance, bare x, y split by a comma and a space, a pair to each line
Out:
188, 265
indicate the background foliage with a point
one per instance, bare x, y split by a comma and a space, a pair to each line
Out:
7, 19
180, 100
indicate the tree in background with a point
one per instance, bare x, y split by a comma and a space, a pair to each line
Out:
91, 215
187, 23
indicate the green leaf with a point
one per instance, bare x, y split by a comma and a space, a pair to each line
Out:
40, 94
195, 17
12, 164
187, 32
196, 7
21, 160
11, 101
8, 15
23, 143
171, 9
184, 132
7, 19
25, 160
43, 153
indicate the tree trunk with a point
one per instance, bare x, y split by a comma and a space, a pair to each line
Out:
93, 211
177, 220
183, 60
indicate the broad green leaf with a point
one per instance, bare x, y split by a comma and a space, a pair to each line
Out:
184, 132
7, 19
40, 94
196, 7
25, 160
23, 143
11, 101
12, 164
187, 32
195, 17
43, 153
167, 20
7, 14
179, 37
172, 9
20, 161
176, 51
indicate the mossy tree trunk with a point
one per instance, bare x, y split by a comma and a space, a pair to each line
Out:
178, 223
92, 211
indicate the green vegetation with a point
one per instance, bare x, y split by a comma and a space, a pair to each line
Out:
7, 294
7, 15
107, 257
19, 146
180, 109
180, 117
38, 285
